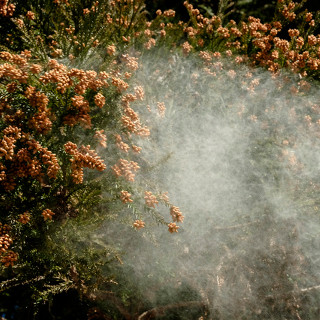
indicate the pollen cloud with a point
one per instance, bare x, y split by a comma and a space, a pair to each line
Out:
237, 148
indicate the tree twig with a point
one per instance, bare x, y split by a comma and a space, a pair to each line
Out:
310, 288
237, 226
152, 313
8, 284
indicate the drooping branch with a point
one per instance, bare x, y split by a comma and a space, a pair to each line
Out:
104, 295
